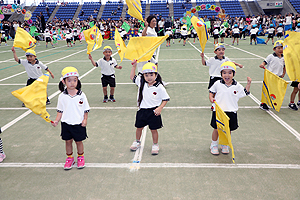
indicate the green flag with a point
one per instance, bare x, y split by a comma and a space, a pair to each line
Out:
91, 24
142, 25
125, 26
32, 30
207, 24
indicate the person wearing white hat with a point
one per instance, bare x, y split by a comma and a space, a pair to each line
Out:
72, 110
226, 92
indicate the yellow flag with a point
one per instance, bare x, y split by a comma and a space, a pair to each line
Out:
222, 121
291, 52
135, 9
24, 40
93, 38
201, 29
121, 47
143, 48
273, 90
34, 96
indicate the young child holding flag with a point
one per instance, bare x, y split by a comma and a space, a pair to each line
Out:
226, 92
107, 65
152, 97
72, 110
275, 64
32, 66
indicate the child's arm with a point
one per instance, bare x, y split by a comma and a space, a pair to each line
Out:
58, 117
202, 58
92, 60
299, 86
48, 70
158, 110
211, 97
84, 121
239, 65
248, 84
283, 73
118, 67
262, 65
15, 55
132, 73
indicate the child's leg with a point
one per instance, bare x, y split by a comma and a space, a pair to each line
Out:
293, 95
215, 135
138, 133
233, 40
80, 149
69, 147
154, 136
112, 91
105, 91
237, 40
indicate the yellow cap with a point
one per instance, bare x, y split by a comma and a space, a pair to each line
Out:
30, 52
228, 65
278, 43
219, 45
69, 71
149, 67
107, 48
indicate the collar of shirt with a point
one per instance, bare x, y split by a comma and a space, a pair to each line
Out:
233, 81
223, 57
78, 92
275, 55
106, 60
36, 62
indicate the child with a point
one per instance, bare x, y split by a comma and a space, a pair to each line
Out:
72, 110
3, 39
222, 33
226, 92
275, 63
152, 98
184, 34
170, 34
297, 29
76, 36
107, 65
214, 63
279, 31
253, 34
271, 31
2, 154
69, 37
47, 36
235, 34
216, 34
32, 66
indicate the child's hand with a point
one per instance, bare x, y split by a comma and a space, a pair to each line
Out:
90, 56
13, 49
54, 123
212, 100
202, 55
241, 66
119, 67
249, 80
146, 23
262, 66
134, 63
157, 111
84, 123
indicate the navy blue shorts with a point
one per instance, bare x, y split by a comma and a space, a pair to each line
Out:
76, 132
294, 83
213, 80
233, 122
146, 117
108, 80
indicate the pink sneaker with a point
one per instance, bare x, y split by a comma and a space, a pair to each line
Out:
69, 163
80, 162
2, 156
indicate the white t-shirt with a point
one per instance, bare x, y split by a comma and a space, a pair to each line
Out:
152, 95
151, 32
107, 67
69, 36
161, 24
214, 65
228, 96
33, 71
72, 107
253, 31
271, 30
279, 29
297, 29
216, 31
47, 34
236, 30
183, 32
275, 64
168, 33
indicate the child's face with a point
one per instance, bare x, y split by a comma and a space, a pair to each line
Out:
107, 54
150, 77
227, 75
278, 50
30, 58
71, 82
220, 52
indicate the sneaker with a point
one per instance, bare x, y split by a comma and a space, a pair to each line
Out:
232, 44
263, 106
255, 43
48, 102
214, 150
225, 149
23, 105
293, 106
155, 149
250, 43
105, 100
53, 46
69, 163
2, 156
112, 99
135, 145
298, 103
80, 162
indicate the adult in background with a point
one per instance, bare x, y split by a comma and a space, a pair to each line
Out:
43, 22
161, 25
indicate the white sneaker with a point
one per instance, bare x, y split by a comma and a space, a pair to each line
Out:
214, 149
155, 149
225, 149
135, 145
2, 156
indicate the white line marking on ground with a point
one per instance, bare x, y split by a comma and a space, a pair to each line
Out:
156, 165
136, 161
